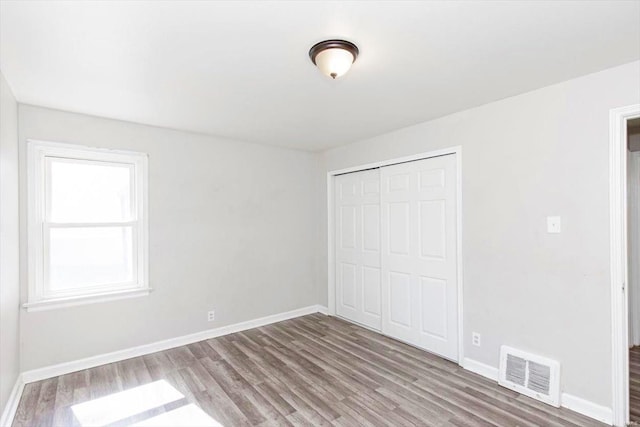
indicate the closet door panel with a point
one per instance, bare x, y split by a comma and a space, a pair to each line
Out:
419, 265
358, 282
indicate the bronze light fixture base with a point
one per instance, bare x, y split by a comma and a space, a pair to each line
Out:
344, 45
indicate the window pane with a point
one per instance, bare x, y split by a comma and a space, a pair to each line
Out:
84, 191
81, 257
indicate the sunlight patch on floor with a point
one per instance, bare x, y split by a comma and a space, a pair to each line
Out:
188, 415
135, 401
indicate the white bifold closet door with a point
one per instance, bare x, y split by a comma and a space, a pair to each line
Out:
396, 235
358, 275
419, 254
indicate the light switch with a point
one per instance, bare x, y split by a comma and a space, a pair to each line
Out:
553, 224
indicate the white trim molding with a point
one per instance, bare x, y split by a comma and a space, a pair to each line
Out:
116, 356
482, 369
568, 401
11, 406
587, 408
331, 283
85, 299
618, 260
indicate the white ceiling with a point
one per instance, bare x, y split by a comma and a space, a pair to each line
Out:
241, 69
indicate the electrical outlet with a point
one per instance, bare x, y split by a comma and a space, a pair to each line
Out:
211, 316
475, 339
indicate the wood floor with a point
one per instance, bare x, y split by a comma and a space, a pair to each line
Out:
310, 371
634, 384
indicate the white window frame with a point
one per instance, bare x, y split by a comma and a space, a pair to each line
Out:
39, 155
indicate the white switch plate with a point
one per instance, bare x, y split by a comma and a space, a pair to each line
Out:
211, 316
553, 224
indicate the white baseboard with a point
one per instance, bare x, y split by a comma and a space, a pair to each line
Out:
116, 356
12, 404
480, 368
576, 404
587, 408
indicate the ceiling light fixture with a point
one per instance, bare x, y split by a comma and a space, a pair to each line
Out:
334, 57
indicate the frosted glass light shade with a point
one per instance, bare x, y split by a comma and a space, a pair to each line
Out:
334, 62
334, 57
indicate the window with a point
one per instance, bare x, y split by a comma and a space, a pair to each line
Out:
87, 230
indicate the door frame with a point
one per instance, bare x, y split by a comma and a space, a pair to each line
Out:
331, 285
618, 118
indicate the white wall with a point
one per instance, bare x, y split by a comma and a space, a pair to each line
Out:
9, 284
231, 229
537, 154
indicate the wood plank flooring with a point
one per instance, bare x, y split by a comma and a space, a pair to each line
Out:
634, 384
310, 371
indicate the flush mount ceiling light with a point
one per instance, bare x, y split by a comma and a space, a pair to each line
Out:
333, 57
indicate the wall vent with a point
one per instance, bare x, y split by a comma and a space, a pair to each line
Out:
531, 375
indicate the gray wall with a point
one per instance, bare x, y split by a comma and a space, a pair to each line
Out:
9, 285
230, 229
537, 154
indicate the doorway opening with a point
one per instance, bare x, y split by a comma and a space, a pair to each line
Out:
620, 250
633, 264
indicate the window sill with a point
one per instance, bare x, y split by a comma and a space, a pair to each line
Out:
54, 303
